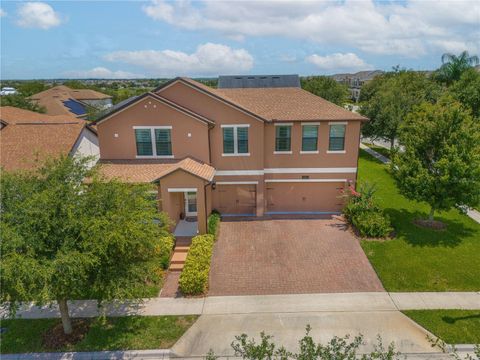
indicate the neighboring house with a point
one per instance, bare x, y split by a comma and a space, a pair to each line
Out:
61, 100
27, 138
244, 152
356, 81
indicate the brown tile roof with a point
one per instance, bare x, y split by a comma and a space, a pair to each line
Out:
77, 94
52, 99
30, 138
147, 171
287, 104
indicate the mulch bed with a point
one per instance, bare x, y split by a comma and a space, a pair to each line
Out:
430, 224
55, 339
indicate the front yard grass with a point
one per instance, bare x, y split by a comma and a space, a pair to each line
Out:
420, 259
116, 333
452, 326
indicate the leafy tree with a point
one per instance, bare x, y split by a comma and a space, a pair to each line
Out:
467, 91
20, 101
28, 88
388, 99
441, 161
453, 66
63, 239
327, 88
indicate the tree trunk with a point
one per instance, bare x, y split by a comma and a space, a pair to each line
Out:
66, 321
392, 143
430, 216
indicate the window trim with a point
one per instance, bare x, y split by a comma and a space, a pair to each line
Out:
283, 152
317, 124
345, 124
235, 139
154, 145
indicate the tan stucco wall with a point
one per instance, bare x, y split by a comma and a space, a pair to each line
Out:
222, 114
151, 112
180, 179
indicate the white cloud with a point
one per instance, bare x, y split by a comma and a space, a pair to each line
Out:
208, 59
37, 15
410, 29
2, 13
102, 73
338, 61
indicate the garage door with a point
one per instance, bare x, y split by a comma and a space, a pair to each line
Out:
304, 197
236, 199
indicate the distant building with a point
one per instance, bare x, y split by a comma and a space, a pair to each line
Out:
61, 100
8, 91
258, 81
356, 81
29, 138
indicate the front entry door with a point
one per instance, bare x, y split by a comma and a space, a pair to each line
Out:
191, 204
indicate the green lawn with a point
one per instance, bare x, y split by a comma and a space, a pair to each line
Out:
452, 326
421, 259
121, 333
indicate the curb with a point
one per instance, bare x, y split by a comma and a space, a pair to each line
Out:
93, 355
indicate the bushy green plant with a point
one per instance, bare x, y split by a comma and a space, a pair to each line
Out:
372, 224
165, 248
194, 277
368, 218
213, 223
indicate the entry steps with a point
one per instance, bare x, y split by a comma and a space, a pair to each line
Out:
178, 258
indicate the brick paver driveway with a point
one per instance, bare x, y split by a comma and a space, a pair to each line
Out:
287, 257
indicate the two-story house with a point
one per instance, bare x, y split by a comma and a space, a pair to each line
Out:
242, 151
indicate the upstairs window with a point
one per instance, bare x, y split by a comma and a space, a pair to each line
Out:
337, 137
283, 134
235, 140
309, 137
154, 141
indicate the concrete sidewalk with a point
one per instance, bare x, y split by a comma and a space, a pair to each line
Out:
297, 303
375, 154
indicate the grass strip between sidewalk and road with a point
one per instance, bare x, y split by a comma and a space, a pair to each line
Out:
420, 259
452, 326
112, 333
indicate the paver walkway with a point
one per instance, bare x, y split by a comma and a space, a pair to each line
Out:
293, 303
291, 256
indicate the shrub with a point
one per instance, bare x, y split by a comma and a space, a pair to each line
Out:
372, 224
213, 223
164, 249
194, 277
362, 212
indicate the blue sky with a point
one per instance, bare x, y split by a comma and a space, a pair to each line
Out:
118, 39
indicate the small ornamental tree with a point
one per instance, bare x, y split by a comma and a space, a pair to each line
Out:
441, 161
64, 238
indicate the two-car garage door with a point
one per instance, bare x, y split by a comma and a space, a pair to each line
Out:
304, 197
238, 199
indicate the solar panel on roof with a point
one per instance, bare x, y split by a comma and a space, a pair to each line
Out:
75, 107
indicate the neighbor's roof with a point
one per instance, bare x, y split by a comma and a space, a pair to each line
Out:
288, 104
30, 137
147, 171
61, 100
257, 81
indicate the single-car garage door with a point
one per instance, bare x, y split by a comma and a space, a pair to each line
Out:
235, 199
304, 197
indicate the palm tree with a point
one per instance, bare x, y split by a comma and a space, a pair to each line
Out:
453, 66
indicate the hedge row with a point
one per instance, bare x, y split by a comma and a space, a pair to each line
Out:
194, 277
213, 223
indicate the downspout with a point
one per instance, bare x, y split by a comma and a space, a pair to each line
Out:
205, 202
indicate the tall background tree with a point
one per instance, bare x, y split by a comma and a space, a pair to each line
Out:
389, 98
467, 91
63, 239
327, 88
453, 66
440, 164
